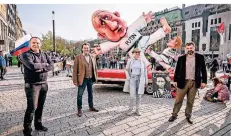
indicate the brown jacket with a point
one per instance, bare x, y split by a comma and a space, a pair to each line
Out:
79, 69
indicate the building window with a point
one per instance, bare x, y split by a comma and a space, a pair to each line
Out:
186, 12
199, 24
206, 27
215, 21
196, 24
214, 39
211, 21
219, 21
196, 38
192, 25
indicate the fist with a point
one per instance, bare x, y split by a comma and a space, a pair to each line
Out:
96, 51
203, 85
148, 17
149, 67
175, 84
76, 84
148, 50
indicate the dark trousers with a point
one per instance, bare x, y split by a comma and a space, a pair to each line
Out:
64, 66
1, 72
115, 65
212, 74
111, 65
10, 63
86, 82
229, 82
121, 66
36, 96
103, 65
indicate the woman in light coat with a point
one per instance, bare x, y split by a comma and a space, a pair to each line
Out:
137, 76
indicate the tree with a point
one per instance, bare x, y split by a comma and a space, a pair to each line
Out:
63, 46
47, 43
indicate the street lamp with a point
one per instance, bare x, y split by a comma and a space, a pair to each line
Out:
53, 22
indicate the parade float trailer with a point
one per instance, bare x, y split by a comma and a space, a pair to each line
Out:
118, 76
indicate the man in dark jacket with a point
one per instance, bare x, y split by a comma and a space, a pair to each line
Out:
36, 67
190, 74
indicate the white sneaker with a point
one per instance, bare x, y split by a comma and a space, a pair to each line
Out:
138, 113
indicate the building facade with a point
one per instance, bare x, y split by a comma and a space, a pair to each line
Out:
3, 28
19, 29
201, 23
11, 20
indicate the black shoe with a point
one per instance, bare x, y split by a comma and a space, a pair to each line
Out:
79, 113
171, 119
189, 121
27, 132
94, 109
40, 127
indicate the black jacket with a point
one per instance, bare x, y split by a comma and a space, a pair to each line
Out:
214, 66
200, 72
36, 67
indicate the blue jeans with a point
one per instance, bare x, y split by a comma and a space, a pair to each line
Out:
86, 82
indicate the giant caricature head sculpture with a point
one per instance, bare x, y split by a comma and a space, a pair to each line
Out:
109, 25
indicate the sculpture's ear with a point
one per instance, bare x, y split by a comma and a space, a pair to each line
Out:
100, 36
116, 13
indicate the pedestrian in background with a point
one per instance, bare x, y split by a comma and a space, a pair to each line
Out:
220, 92
6, 59
2, 66
103, 61
224, 65
214, 68
10, 61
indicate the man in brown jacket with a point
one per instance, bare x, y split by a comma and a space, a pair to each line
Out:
84, 74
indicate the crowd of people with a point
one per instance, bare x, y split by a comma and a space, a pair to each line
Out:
112, 62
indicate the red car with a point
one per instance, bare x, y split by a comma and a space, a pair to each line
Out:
118, 76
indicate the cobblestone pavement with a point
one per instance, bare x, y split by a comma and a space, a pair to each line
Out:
61, 119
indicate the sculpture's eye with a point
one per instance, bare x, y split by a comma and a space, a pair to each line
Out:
102, 23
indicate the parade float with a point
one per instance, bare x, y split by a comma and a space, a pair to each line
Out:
129, 37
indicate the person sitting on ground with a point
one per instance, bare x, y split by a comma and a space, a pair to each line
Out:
219, 93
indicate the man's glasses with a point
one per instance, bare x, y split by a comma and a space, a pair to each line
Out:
136, 52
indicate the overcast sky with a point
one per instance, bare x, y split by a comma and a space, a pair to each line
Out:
73, 22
